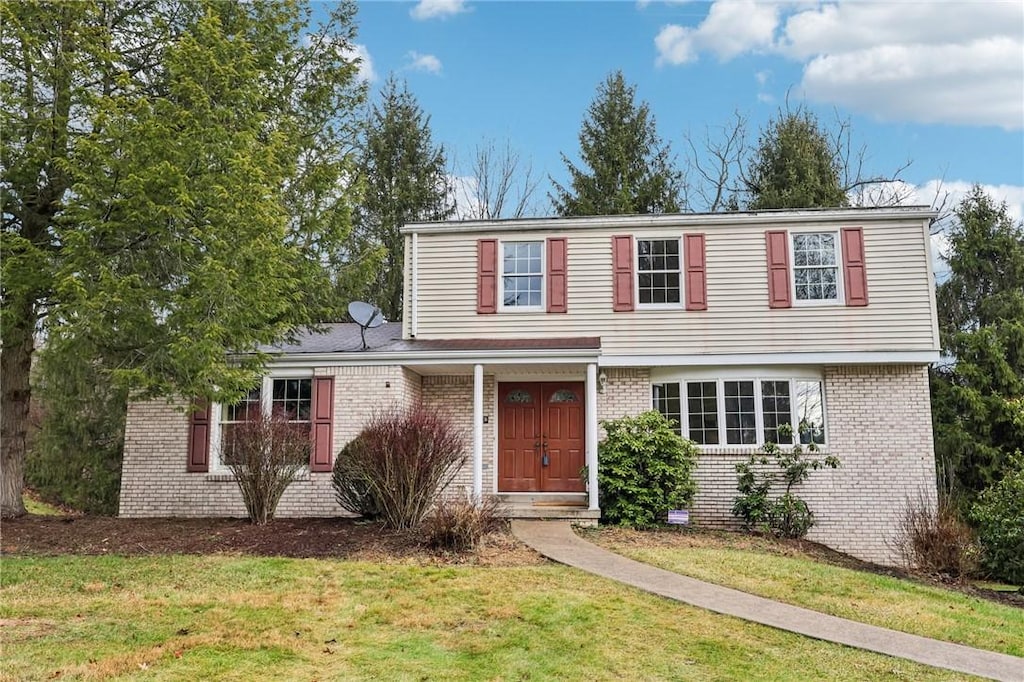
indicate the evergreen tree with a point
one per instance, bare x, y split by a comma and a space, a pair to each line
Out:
794, 166
152, 153
626, 168
977, 391
405, 180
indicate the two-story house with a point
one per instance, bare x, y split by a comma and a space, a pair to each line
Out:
530, 332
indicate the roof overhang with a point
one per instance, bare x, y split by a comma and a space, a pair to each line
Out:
704, 220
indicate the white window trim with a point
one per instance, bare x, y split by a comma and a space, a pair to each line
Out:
840, 299
543, 278
719, 382
636, 275
217, 465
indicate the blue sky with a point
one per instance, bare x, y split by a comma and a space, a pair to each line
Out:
939, 84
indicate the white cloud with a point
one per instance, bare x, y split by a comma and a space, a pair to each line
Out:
956, 63
366, 72
424, 62
944, 195
731, 28
437, 9
464, 189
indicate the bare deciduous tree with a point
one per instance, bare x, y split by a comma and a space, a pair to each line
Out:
502, 184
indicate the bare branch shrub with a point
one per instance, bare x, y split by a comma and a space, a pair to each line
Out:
265, 454
458, 526
933, 540
404, 458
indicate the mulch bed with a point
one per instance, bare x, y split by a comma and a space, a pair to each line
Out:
314, 538
353, 539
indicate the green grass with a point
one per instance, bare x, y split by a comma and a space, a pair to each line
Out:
34, 505
222, 617
902, 605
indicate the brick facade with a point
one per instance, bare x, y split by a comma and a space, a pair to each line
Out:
878, 420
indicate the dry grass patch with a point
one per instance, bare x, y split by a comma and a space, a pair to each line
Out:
244, 618
799, 573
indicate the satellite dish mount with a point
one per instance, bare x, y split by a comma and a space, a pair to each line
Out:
367, 316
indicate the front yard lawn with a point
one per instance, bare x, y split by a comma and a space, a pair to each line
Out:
782, 571
243, 618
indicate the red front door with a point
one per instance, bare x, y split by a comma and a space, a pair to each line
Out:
540, 437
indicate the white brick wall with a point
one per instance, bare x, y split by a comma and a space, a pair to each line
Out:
879, 425
153, 477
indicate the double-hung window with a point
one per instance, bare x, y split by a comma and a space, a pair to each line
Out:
289, 397
522, 275
744, 412
816, 266
657, 271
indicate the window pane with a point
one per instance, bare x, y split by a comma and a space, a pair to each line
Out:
815, 273
810, 412
702, 411
740, 418
292, 397
658, 271
667, 402
775, 408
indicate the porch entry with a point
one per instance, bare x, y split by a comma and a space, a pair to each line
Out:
540, 437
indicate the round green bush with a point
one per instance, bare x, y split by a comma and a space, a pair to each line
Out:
999, 517
644, 470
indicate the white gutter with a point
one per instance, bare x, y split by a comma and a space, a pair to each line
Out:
857, 215
538, 356
757, 359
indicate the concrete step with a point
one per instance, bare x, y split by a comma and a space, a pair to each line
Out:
544, 499
576, 514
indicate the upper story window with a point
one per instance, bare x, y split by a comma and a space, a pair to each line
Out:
816, 266
657, 269
522, 275
746, 412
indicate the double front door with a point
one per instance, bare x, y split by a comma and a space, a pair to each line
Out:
540, 437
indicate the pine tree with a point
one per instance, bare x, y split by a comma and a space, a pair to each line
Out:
977, 391
153, 158
626, 168
405, 179
794, 166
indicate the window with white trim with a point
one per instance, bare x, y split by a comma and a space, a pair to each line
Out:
744, 412
290, 396
702, 411
815, 266
667, 402
522, 275
657, 272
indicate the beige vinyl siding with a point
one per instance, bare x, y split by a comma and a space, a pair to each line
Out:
899, 316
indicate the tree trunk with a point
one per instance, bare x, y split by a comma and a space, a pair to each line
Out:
15, 368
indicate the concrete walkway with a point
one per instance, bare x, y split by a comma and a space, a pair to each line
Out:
556, 540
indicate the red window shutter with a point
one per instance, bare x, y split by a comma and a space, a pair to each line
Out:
696, 272
320, 458
557, 284
778, 269
487, 276
199, 437
622, 273
855, 275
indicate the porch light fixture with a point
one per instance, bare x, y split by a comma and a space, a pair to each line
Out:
602, 382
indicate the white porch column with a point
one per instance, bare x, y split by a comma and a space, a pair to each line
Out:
478, 433
591, 435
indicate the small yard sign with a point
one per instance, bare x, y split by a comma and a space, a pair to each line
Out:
679, 517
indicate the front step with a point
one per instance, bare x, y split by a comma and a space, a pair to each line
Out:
552, 506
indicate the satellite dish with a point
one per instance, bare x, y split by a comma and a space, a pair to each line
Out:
367, 316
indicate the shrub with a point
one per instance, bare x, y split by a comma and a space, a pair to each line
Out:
352, 488
644, 470
932, 539
999, 517
761, 475
458, 526
265, 453
403, 459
